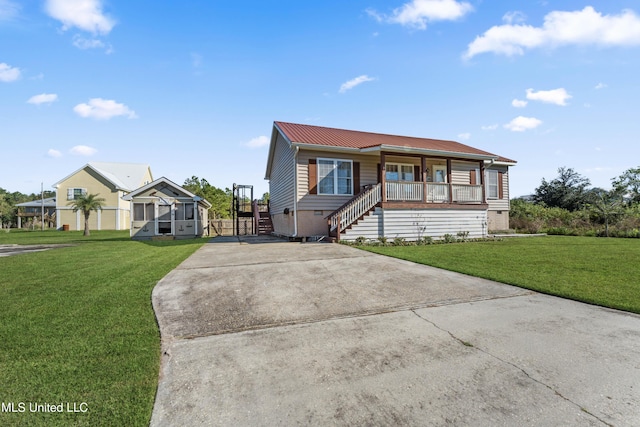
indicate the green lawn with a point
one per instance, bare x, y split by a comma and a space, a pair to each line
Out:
599, 271
77, 326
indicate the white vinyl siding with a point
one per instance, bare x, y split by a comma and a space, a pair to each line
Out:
412, 224
282, 179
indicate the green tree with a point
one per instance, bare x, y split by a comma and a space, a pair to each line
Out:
86, 204
628, 185
567, 191
607, 206
220, 199
6, 208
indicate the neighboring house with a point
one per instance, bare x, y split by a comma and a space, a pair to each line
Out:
325, 181
163, 208
33, 210
110, 181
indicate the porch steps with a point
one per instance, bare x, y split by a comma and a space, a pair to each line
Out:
162, 238
265, 226
369, 226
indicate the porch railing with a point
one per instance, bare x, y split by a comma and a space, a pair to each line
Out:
406, 191
467, 193
437, 192
355, 208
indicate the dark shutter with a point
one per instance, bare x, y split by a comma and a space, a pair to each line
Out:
472, 177
416, 173
379, 173
500, 187
356, 177
313, 177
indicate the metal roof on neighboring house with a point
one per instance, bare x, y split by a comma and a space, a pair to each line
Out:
298, 134
124, 176
48, 202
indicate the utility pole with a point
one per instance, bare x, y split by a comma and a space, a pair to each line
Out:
42, 199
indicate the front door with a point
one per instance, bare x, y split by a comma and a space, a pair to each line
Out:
164, 222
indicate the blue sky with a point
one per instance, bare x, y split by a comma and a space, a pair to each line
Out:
193, 87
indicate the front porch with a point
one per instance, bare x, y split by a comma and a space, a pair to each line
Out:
446, 184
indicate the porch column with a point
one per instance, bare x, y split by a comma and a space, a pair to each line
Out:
423, 166
484, 194
383, 177
449, 180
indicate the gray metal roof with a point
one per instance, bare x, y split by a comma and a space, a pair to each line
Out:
49, 202
124, 176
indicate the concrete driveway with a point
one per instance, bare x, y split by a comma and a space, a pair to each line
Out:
263, 332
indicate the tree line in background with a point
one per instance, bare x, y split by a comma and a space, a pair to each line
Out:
569, 205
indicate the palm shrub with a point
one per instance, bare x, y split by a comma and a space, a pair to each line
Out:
87, 203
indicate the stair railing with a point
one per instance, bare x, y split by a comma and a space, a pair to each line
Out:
354, 209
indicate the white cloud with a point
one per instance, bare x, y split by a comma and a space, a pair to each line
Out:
514, 17
86, 15
355, 82
82, 43
555, 96
83, 150
518, 103
489, 127
464, 136
103, 109
8, 10
43, 98
582, 27
54, 153
520, 124
417, 13
600, 85
258, 142
8, 73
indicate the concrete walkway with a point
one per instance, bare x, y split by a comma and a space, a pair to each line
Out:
263, 332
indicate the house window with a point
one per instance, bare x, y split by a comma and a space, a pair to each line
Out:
335, 176
492, 184
74, 193
398, 172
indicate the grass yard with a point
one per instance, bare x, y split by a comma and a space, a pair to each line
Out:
599, 271
77, 326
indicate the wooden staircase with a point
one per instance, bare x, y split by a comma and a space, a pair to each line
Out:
262, 218
354, 210
265, 226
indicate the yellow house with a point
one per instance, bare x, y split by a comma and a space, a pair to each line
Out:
111, 181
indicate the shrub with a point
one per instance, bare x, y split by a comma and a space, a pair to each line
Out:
449, 238
399, 241
360, 240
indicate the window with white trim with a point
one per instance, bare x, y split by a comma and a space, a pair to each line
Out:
492, 184
398, 172
74, 193
143, 211
335, 176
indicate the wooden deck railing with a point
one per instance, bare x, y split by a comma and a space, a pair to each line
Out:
355, 208
466, 193
406, 191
